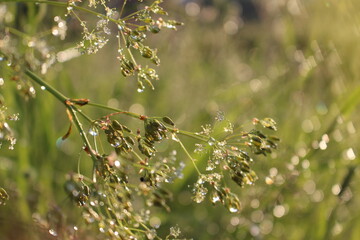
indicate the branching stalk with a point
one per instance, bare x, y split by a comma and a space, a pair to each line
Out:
72, 109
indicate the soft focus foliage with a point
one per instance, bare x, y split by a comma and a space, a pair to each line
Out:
293, 60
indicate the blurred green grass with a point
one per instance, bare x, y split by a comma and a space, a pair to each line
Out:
298, 63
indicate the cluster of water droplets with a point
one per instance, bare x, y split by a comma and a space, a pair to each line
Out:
60, 29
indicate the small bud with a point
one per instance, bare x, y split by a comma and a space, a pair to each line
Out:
130, 140
168, 121
268, 123
146, 52
154, 29
116, 125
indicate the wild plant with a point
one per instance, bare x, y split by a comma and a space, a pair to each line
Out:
129, 176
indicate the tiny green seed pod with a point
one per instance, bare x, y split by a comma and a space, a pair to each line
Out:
3, 195
116, 125
141, 28
146, 52
126, 128
130, 140
141, 86
168, 121
154, 29
155, 60
239, 180
86, 190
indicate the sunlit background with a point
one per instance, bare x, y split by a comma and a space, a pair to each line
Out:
295, 61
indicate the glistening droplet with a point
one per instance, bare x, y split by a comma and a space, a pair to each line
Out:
93, 131
53, 232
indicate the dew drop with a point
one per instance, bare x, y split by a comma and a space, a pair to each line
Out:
219, 116
215, 198
31, 90
199, 148
211, 141
233, 209
53, 232
14, 117
115, 144
93, 131
174, 137
1, 81
211, 166
107, 30
55, 32
151, 234
140, 90
43, 88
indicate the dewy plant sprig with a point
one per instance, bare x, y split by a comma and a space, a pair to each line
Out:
129, 175
130, 31
107, 197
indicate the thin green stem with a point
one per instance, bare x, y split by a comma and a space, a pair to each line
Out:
17, 32
25, 35
128, 49
193, 135
45, 86
122, 8
131, 114
131, 15
85, 116
72, 109
191, 158
65, 4
78, 125
234, 136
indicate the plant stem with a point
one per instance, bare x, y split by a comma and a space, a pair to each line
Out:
85, 116
65, 4
72, 109
131, 114
122, 8
78, 125
62, 98
191, 158
192, 135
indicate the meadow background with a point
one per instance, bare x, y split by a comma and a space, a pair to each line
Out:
295, 61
